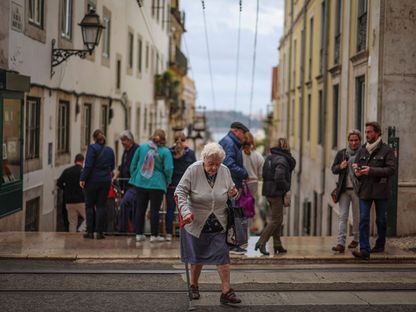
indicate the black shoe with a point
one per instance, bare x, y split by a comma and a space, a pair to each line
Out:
361, 255
88, 235
99, 236
376, 249
229, 298
279, 249
195, 292
338, 248
262, 249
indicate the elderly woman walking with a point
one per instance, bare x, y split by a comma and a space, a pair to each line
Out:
202, 195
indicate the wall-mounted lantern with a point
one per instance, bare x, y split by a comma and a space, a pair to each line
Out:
91, 29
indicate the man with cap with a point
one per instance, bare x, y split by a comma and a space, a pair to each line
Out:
231, 144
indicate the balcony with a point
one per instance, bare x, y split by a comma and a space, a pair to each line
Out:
181, 62
179, 16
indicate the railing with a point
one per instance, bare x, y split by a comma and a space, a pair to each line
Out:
337, 49
181, 61
362, 32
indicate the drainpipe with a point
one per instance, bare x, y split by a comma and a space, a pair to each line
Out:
301, 108
324, 99
289, 83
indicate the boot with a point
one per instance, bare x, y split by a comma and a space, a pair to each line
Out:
279, 249
262, 249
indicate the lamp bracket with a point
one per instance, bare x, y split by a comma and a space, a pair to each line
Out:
60, 55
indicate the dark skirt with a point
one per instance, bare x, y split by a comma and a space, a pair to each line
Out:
209, 248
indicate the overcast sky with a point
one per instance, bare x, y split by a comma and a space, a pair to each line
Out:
222, 24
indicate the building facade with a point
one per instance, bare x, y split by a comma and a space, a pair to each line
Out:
343, 63
113, 88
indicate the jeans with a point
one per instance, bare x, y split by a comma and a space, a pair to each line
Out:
95, 200
170, 211
143, 197
381, 222
127, 209
347, 197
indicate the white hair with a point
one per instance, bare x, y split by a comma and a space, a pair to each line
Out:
126, 134
212, 150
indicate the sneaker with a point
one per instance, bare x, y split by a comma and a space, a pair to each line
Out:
140, 238
229, 298
237, 250
353, 244
195, 292
339, 248
155, 239
169, 237
361, 255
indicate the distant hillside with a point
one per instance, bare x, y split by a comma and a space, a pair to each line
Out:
219, 121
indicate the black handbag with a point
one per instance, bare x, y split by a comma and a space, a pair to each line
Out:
237, 225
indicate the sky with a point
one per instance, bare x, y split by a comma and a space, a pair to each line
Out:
222, 25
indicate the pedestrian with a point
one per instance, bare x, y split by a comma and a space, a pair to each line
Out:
232, 143
122, 175
74, 199
202, 195
277, 177
96, 180
183, 157
151, 172
253, 162
347, 189
375, 164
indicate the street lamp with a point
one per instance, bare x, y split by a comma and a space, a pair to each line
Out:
91, 29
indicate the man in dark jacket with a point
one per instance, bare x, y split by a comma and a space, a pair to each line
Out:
277, 178
231, 144
73, 194
347, 188
123, 175
375, 164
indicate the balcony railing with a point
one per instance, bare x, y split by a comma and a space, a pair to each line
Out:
362, 32
179, 16
337, 49
181, 62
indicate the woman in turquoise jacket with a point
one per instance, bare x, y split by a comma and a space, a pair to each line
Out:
151, 172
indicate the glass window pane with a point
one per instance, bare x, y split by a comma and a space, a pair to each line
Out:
11, 158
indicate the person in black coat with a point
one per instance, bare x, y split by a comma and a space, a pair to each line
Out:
374, 167
74, 200
277, 173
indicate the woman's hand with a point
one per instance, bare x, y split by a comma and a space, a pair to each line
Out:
188, 218
232, 192
82, 184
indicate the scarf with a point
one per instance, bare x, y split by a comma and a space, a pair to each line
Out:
351, 154
372, 146
149, 161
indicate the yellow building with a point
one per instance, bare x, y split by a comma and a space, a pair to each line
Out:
343, 63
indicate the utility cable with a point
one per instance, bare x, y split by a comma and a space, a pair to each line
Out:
209, 60
238, 61
253, 69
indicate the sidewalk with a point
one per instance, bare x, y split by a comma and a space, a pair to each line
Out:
71, 246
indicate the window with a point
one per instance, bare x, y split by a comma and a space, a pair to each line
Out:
294, 65
63, 127
66, 19
360, 101
32, 215
106, 36
309, 117
158, 10
292, 118
153, 7
32, 138
321, 119
335, 112
362, 25
337, 41
310, 48
138, 123
329, 221
104, 119
130, 59
139, 55
145, 119
86, 132
321, 50
307, 218
118, 75
35, 12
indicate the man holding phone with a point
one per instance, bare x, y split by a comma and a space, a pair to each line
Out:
375, 164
